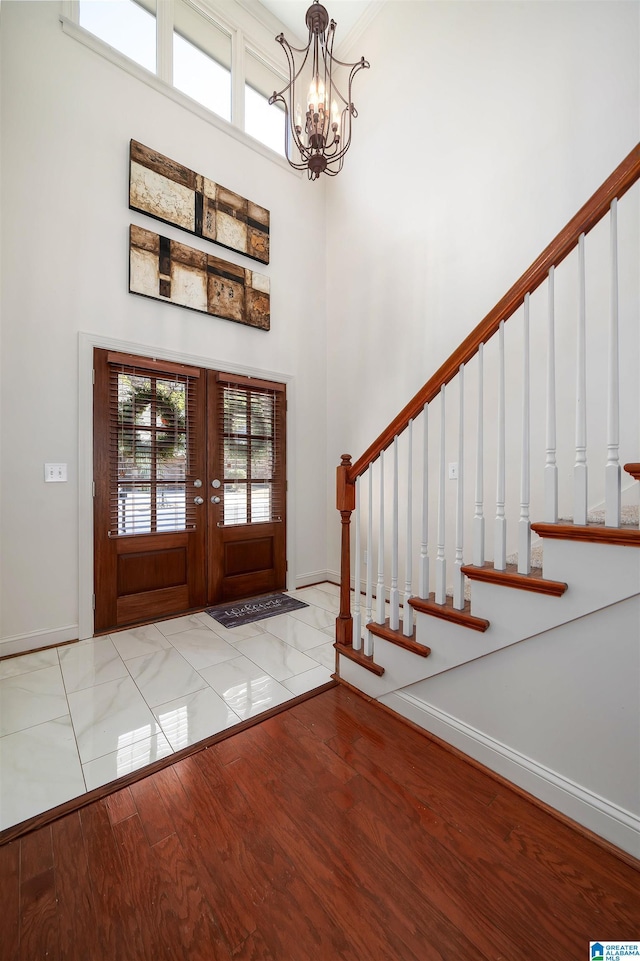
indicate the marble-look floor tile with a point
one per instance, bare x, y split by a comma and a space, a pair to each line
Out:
29, 699
192, 718
313, 595
238, 633
177, 624
315, 617
29, 662
89, 663
247, 690
164, 676
225, 678
276, 658
302, 683
324, 654
40, 769
296, 633
202, 648
109, 717
130, 756
138, 641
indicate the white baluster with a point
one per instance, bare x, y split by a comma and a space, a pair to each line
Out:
500, 539
441, 563
407, 610
524, 524
478, 517
580, 505
550, 468
423, 588
357, 615
613, 479
394, 595
368, 636
380, 585
458, 576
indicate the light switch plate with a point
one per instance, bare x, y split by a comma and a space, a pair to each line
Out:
55, 473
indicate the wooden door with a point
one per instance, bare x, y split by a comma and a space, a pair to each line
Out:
189, 507
149, 447
247, 523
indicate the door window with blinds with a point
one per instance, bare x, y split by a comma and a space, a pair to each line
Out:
151, 451
253, 452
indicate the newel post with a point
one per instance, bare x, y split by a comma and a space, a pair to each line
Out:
345, 502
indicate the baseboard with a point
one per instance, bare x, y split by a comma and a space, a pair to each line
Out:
315, 577
604, 818
36, 640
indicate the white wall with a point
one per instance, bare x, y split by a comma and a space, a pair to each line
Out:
557, 714
482, 128
67, 118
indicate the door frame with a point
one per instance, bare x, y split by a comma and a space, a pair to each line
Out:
86, 344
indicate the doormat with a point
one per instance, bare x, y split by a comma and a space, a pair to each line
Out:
255, 609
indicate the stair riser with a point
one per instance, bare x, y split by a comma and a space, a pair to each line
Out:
598, 575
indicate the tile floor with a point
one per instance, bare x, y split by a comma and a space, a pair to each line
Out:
76, 717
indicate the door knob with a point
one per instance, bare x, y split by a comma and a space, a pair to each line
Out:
197, 483
216, 500
198, 500
215, 483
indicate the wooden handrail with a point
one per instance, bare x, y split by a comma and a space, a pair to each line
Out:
587, 217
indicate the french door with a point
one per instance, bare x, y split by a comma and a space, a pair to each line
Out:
190, 491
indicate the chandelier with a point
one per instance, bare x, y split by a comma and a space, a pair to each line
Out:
318, 139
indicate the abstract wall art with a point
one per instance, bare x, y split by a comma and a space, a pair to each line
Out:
170, 271
166, 190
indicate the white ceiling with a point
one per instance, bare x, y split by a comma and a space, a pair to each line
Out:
291, 13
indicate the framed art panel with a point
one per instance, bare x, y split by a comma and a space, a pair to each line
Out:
166, 270
164, 189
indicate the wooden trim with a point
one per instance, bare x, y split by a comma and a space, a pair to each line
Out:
398, 638
633, 469
511, 578
146, 363
364, 660
75, 804
504, 782
253, 383
447, 612
622, 178
594, 533
37, 650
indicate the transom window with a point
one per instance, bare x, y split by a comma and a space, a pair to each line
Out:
205, 58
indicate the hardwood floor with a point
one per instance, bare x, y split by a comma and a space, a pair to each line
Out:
331, 831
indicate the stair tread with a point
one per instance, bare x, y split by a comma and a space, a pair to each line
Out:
448, 612
364, 660
510, 577
397, 637
627, 534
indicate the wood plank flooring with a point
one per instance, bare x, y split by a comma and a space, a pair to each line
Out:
330, 831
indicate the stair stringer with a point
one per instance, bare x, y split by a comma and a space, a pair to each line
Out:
598, 575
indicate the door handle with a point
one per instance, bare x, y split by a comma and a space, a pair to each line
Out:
216, 500
198, 500
215, 483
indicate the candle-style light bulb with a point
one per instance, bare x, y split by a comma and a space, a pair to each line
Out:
334, 113
312, 96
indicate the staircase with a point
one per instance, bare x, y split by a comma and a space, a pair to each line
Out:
539, 404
